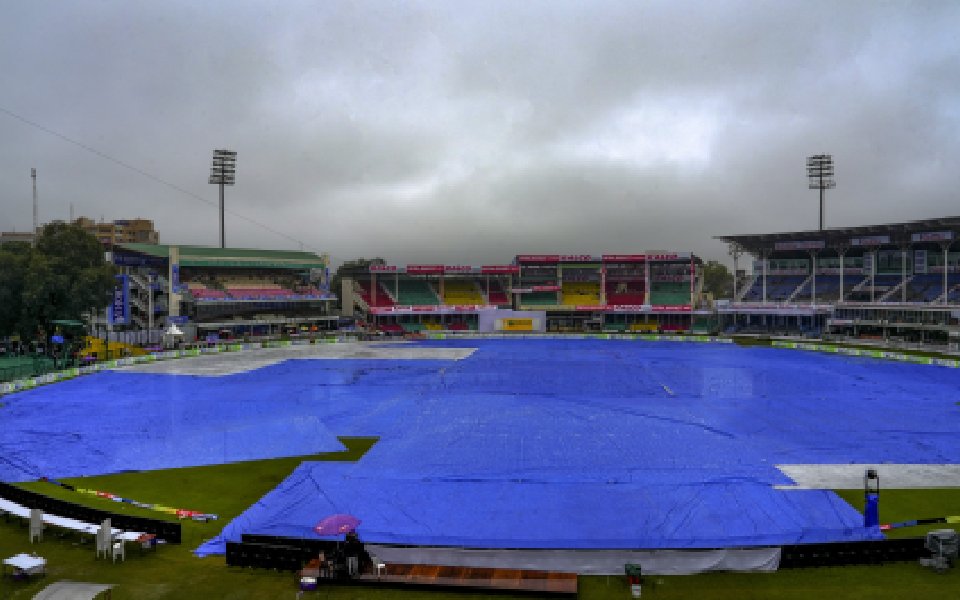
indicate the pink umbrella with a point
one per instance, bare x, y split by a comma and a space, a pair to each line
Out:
337, 524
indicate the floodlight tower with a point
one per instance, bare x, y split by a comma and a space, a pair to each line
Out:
223, 172
36, 223
820, 175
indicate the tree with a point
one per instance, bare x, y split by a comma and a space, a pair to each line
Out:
717, 280
352, 268
14, 261
64, 277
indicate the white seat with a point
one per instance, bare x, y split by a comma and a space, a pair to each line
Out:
119, 550
379, 566
36, 525
104, 538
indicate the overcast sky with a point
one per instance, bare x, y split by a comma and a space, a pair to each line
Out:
467, 132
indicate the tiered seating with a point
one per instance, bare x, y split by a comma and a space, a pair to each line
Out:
201, 292
458, 326
953, 297
884, 283
309, 290
539, 299
583, 293
391, 328
927, 287
382, 298
461, 291
828, 288
246, 288
779, 288
433, 326
625, 293
412, 327
497, 296
415, 292
668, 293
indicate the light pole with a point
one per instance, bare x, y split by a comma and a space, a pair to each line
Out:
223, 172
820, 176
36, 223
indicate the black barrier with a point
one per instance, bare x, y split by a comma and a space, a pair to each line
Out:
267, 556
852, 553
165, 530
312, 547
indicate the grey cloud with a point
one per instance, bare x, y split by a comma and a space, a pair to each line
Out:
470, 131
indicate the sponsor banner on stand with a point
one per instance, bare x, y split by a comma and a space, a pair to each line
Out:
500, 269
628, 308
556, 258
870, 240
667, 256
384, 268
623, 258
424, 269
430, 308
932, 236
671, 308
458, 269
920, 261
800, 245
119, 311
515, 324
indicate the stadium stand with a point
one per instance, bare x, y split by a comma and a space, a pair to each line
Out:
873, 291
893, 283
416, 292
670, 293
953, 295
928, 287
497, 295
827, 288
461, 291
201, 292
582, 293
625, 293
539, 299
383, 297
779, 288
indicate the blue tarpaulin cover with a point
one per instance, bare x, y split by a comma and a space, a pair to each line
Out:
524, 444
117, 421
607, 444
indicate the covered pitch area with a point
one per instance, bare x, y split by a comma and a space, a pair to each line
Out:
518, 443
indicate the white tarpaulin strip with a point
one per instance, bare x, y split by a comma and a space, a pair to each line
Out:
588, 562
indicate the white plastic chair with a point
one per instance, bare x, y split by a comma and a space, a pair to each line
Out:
36, 525
379, 566
119, 549
104, 538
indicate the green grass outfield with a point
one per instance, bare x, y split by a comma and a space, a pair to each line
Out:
172, 572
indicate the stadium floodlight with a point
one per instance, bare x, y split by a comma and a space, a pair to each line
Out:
820, 176
223, 172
